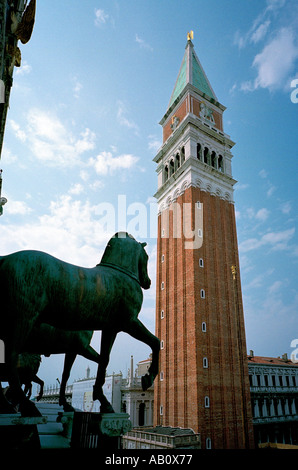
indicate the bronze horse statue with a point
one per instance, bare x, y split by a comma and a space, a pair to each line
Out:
36, 288
46, 340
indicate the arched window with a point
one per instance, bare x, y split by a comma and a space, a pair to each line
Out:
202, 293
205, 362
182, 159
220, 163
177, 161
201, 262
199, 151
207, 402
166, 173
213, 159
172, 167
206, 156
162, 314
208, 443
204, 327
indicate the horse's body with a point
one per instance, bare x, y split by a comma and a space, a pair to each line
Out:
37, 288
46, 340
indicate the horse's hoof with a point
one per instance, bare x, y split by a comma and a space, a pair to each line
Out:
67, 408
146, 382
28, 409
107, 408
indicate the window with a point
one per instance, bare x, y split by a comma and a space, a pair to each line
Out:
204, 327
162, 258
205, 362
201, 262
162, 314
163, 232
162, 286
199, 205
208, 443
161, 375
200, 233
162, 344
207, 402
161, 410
202, 293
273, 380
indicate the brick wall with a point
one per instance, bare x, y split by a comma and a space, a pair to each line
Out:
186, 383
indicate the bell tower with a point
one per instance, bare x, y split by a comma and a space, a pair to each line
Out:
203, 375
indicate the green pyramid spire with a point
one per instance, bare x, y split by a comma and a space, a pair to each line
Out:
191, 72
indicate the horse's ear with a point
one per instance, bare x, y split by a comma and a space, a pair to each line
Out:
144, 244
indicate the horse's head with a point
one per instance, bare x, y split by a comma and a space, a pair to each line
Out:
124, 252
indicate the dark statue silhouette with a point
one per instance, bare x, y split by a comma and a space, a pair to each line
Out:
46, 340
36, 288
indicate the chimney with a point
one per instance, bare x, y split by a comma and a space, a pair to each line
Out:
285, 357
251, 353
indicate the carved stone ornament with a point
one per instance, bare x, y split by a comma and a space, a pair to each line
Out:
115, 424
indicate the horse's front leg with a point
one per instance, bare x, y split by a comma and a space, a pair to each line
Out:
107, 340
138, 331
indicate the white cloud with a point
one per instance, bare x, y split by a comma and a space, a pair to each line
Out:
20, 133
260, 25
76, 189
260, 32
276, 61
17, 207
262, 214
77, 86
286, 208
71, 230
263, 174
143, 44
24, 69
100, 17
275, 240
123, 120
50, 141
105, 163
154, 143
275, 287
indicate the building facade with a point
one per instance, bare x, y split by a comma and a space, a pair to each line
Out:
203, 382
274, 395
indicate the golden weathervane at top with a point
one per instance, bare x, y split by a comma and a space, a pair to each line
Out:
190, 35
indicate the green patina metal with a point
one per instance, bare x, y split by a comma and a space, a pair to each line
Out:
181, 81
199, 79
191, 72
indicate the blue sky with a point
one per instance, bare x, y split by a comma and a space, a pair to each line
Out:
83, 128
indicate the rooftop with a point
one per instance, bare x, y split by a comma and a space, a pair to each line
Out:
279, 361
